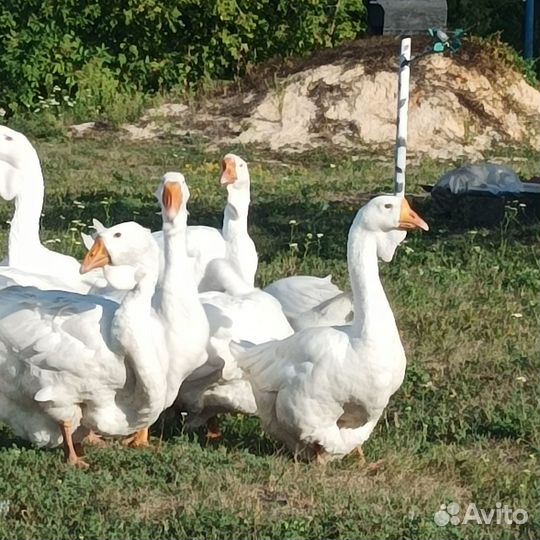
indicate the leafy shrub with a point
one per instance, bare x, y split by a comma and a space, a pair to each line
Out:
505, 17
100, 95
109, 49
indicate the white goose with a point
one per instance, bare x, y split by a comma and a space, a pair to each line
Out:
177, 299
323, 390
233, 241
177, 296
28, 261
72, 363
240, 313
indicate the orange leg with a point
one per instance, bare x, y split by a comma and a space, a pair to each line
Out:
375, 467
321, 456
213, 432
94, 439
69, 449
371, 468
361, 459
139, 439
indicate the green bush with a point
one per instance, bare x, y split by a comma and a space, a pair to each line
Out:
486, 17
108, 49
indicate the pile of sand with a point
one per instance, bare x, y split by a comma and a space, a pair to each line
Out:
461, 104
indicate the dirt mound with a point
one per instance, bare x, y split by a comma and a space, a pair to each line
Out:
346, 97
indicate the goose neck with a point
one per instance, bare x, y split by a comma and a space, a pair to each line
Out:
181, 312
235, 215
24, 229
178, 282
131, 327
373, 315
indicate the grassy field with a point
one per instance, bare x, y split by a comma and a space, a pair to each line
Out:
463, 428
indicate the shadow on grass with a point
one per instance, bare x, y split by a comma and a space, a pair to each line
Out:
8, 439
238, 432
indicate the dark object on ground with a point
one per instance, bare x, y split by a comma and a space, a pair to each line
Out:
481, 195
480, 209
398, 17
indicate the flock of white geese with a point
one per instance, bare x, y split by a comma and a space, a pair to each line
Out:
173, 318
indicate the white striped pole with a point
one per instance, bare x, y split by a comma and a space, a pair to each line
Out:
402, 112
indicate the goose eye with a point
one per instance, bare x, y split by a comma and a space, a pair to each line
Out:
388, 205
117, 235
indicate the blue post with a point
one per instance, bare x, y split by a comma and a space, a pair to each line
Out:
528, 31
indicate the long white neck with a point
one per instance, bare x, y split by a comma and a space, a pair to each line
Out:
241, 251
24, 230
185, 322
235, 214
373, 317
132, 327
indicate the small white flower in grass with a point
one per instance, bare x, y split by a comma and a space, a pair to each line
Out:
309, 235
521, 379
320, 235
293, 222
517, 315
522, 205
62, 217
77, 243
332, 165
293, 245
2, 112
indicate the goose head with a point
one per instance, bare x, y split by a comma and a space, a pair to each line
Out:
173, 195
16, 154
126, 244
389, 217
234, 173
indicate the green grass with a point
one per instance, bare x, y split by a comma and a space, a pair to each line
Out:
463, 427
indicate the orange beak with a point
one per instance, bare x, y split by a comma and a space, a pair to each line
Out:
172, 199
228, 172
97, 257
409, 219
